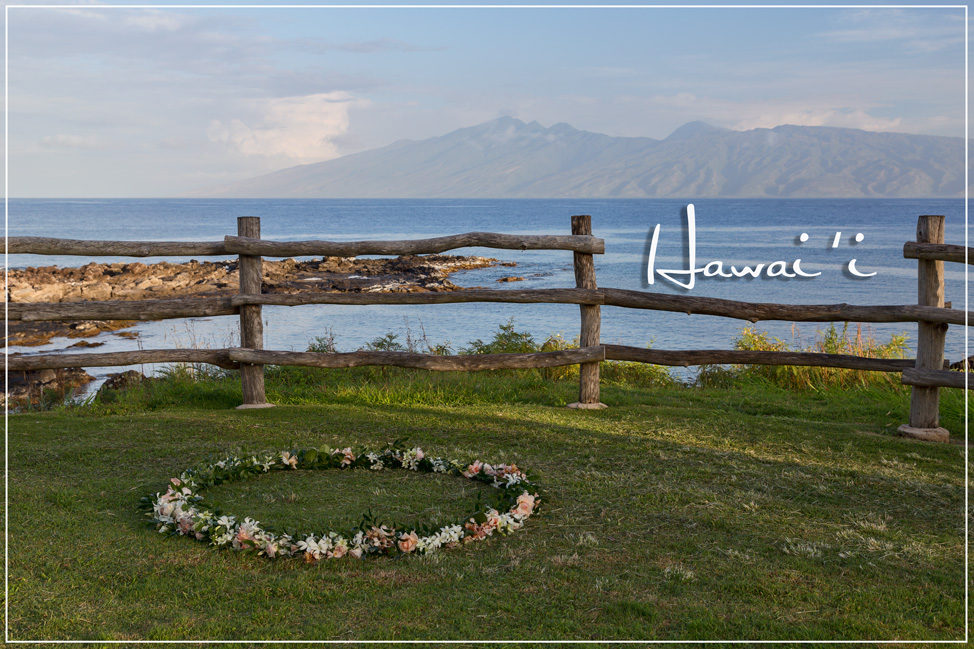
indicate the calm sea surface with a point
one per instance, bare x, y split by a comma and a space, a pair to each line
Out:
735, 232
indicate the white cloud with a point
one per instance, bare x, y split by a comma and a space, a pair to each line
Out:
918, 30
300, 129
86, 142
156, 21
820, 117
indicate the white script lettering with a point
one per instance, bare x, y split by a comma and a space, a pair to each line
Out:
716, 268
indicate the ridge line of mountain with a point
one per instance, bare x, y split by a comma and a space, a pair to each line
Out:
508, 158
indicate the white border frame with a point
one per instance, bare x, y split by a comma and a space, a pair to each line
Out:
6, 415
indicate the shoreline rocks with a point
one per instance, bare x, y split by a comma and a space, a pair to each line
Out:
32, 388
139, 281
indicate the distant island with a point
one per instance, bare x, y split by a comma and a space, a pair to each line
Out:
507, 158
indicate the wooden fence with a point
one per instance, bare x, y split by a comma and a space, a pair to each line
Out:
926, 373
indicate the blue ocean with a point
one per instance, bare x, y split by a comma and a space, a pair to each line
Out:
825, 234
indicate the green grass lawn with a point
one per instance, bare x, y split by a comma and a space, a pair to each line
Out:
679, 513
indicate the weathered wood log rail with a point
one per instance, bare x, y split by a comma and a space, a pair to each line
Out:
937, 251
262, 247
750, 311
924, 373
88, 248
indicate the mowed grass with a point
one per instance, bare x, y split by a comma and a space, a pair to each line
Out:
745, 513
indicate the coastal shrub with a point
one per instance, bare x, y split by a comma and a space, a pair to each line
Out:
831, 341
505, 341
324, 344
387, 343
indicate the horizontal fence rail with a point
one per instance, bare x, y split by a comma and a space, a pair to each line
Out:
191, 307
468, 363
938, 252
750, 311
681, 358
218, 357
754, 312
232, 358
528, 296
264, 248
89, 248
936, 378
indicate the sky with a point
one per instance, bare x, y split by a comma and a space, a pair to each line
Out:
125, 100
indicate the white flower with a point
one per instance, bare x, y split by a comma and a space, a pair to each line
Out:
164, 510
223, 539
513, 479
310, 547
410, 459
226, 521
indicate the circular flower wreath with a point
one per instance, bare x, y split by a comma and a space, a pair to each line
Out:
181, 510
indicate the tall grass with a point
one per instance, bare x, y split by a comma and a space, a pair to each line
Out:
859, 342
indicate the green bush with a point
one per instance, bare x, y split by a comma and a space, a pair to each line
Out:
791, 377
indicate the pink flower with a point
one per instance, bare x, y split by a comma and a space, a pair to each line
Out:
505, 470
525, 504
338, 552
243, 539
289, 459
407, 542
185, 525
380, 537
493, 518
473, 469
176, 482
478, 532
349, 456
356, 552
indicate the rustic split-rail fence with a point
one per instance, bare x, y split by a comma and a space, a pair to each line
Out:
926, 373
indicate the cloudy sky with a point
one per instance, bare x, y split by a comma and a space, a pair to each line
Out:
121, 100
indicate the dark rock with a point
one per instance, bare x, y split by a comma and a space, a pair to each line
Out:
37, 387
85, 343
966, 365
123, 381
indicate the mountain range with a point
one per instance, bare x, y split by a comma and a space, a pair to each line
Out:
507, 158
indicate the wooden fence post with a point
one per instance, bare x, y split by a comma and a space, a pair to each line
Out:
251, 324
924, 401
588, 389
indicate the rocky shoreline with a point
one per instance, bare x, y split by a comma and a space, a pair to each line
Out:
138, 281
164, 280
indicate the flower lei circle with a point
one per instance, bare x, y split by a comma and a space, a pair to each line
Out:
182, 510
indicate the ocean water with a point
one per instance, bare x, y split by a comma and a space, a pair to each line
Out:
734, 232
